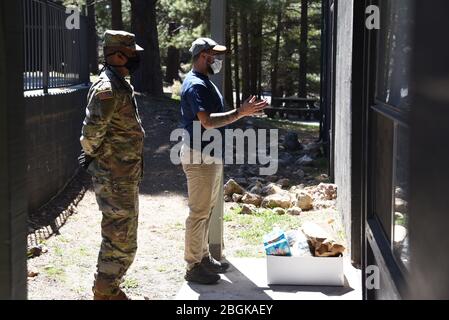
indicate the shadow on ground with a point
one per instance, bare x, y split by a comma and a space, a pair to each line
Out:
46, 222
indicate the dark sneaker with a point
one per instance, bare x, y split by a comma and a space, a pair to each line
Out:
200, 274
214, 266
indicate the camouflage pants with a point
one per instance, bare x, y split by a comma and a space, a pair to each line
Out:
120, 206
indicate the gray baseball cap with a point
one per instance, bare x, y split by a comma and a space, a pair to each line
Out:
203, 44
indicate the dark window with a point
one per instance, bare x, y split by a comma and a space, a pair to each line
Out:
389, 125
394, 53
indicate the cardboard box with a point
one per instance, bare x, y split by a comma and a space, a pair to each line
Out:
305, 271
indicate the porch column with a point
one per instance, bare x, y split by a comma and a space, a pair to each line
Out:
218, 19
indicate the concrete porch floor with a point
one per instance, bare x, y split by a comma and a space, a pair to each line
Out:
246, 280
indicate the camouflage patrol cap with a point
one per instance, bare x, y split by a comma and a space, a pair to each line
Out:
113, 38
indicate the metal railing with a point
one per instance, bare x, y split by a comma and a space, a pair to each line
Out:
55, 56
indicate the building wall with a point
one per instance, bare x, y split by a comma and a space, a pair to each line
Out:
343, 111
53, 129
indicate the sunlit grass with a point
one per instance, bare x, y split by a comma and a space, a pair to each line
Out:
252, 228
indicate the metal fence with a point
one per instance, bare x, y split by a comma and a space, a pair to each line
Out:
55, 56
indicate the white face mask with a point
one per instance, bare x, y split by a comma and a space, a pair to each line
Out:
216, 66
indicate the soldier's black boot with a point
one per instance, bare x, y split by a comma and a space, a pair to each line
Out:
214, 266
201, 275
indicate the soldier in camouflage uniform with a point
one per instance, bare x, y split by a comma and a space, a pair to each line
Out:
112, 136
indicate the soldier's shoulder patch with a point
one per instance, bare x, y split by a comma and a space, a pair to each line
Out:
105, 94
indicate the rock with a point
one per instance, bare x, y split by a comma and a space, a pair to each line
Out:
272, 178
313, 149
299, 174
305, 201
322, 178
271, 189
399, 193
253, 170
35, 251
32, 274
400, 205
399, 233
295, 211
232, 187
398, 215
329, 190
284, 183
324, 191
281, 200
227, 198
291, 142
241, 181
254, 180
304, 161
248, 209
296, 189
256, 188
286, 159
241, 170
236, 197
279, 211
234, 206
251, 198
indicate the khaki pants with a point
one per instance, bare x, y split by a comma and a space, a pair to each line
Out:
203, 183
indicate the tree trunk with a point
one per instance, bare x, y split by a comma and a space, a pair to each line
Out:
303, 49
246, 92
253, 51
236, 60
173, 63
148, 79
275, 55
260, 52
93, 39
229, 92
257, 13
117, 19
173, 57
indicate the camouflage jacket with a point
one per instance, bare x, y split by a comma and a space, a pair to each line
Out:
112, 132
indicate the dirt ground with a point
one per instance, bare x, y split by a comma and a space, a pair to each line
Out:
66, 270
69, 227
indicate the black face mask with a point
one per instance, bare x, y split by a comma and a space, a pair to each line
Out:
132, 64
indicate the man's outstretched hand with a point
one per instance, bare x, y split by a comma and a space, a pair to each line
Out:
252, 106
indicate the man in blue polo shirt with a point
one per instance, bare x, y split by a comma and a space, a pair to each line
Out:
202, 105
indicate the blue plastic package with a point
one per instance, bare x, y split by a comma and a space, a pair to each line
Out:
276, 243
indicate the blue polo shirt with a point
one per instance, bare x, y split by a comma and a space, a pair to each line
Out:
199, 94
